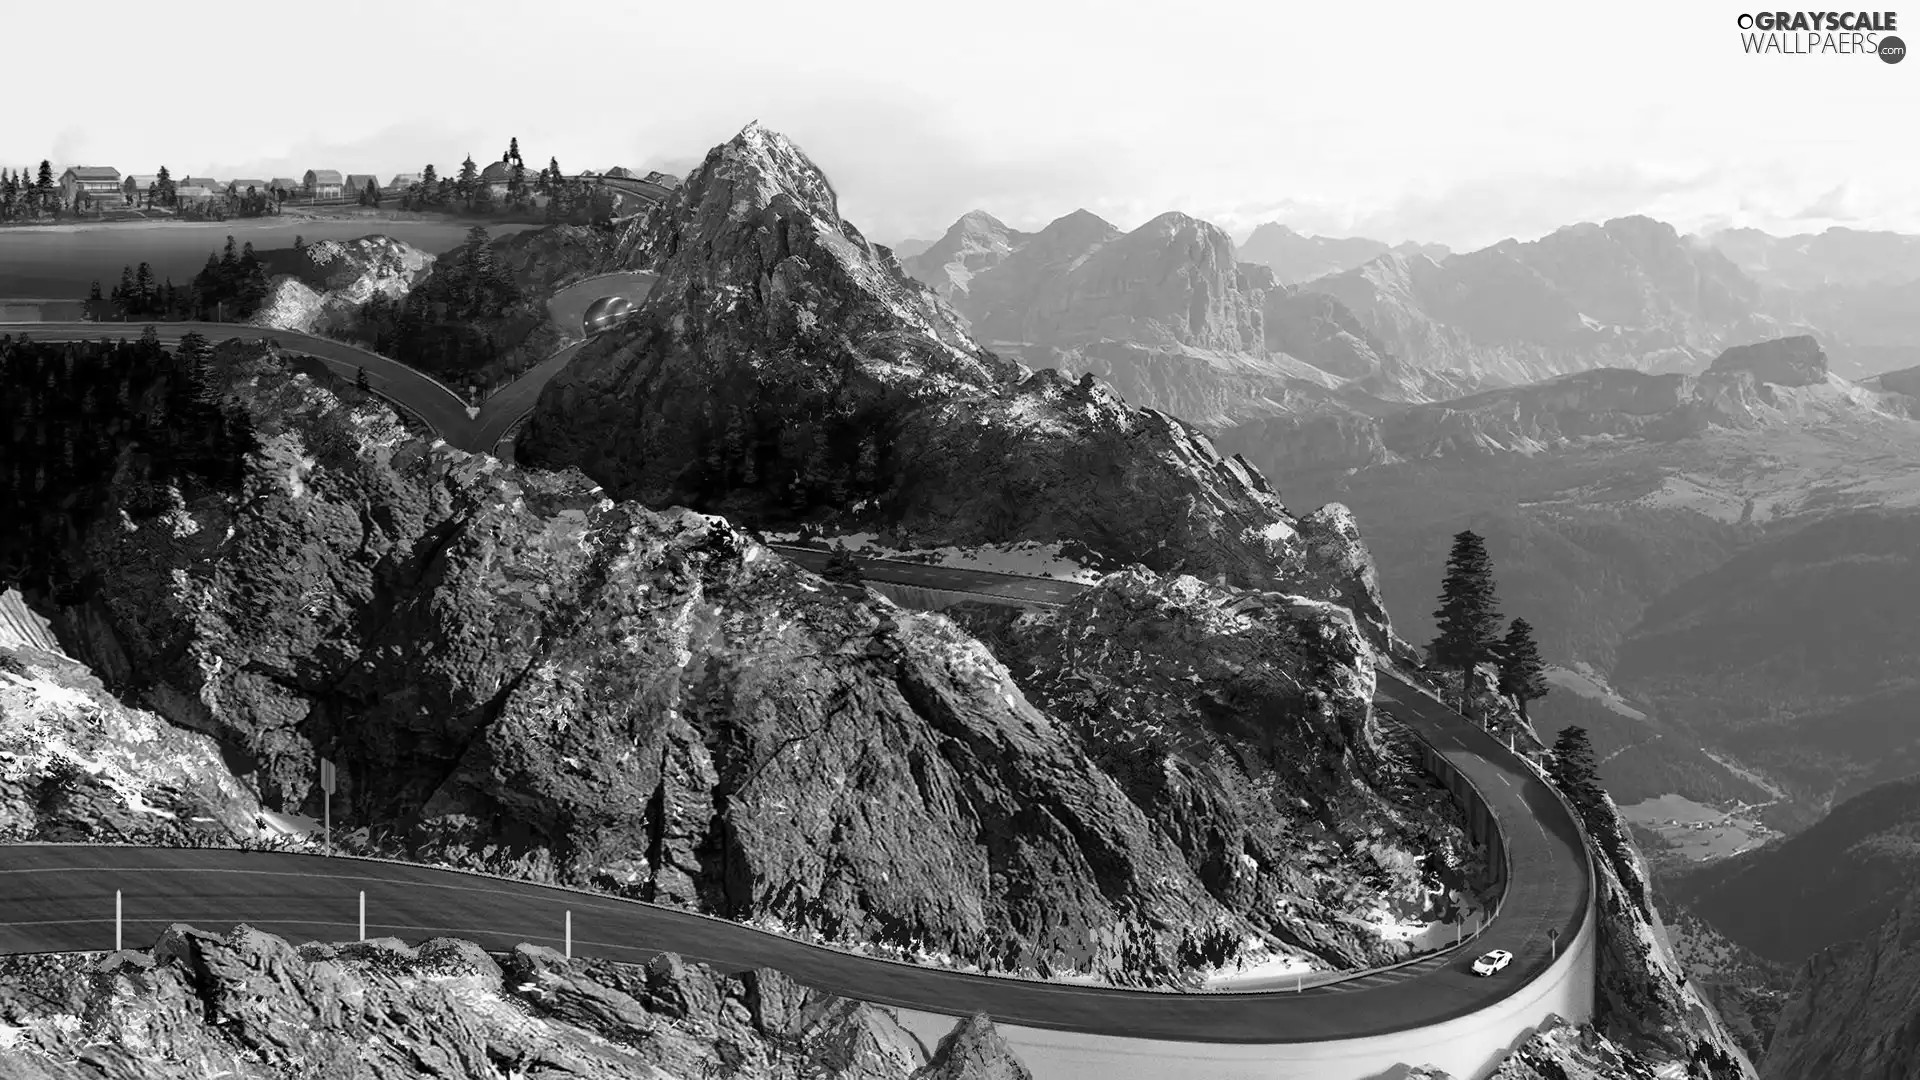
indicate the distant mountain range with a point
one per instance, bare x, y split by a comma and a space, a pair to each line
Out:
1294, 258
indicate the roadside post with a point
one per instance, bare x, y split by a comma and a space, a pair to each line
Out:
569, 942
1553, 943
363, 914
118, 941
326, 795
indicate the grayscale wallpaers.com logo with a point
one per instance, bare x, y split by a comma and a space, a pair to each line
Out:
1814, 33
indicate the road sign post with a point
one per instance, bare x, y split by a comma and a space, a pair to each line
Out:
326, 803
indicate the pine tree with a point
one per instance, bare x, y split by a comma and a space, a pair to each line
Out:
1469, 614
1573, 771
163, 181
468, 181
513, 151
1523, 675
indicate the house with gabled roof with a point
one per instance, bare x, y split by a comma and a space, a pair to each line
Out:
357, 184
100, 183
323, 183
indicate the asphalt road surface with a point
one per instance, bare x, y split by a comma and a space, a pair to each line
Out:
443, 410
59, 897
429, 399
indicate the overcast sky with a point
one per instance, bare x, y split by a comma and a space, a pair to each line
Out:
1456, 123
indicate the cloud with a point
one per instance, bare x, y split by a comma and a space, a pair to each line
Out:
1832, 206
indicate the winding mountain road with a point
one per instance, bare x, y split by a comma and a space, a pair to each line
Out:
476, 430
60, 897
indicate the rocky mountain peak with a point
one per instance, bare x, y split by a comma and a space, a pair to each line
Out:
755, 168
1789, 361
783, 370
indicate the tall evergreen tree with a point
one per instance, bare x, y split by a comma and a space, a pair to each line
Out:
1469, 613
513, 151
468, 180
1573, 771
1523, 674
163, 182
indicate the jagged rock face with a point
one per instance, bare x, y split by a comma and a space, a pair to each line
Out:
250, 1004
1319, 329
1280, 797
1855, 1009
1631, 293
977, 242
784, 368
76, 765
1643, 1001
1165, 313
1171, 283
999, 298
1792, 361
320, 288
974, 1050
507, 661
1296, 258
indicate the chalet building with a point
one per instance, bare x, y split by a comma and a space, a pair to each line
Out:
357, 184
239, 187
285, 184
207, 182
323, 183
401, 181
499, 174
187, 194
100, 183
141, 184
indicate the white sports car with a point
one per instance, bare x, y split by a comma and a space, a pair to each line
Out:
1492, 962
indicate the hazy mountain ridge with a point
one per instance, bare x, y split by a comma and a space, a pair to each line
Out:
855, 397
1629, 293
1295, 258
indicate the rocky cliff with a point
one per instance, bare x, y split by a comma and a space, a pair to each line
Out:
319, 288
1630, 293
249, 1004
1286, 802
521, 674
77, 765
784, 370
975, 243
1166, 313
1855, 1009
